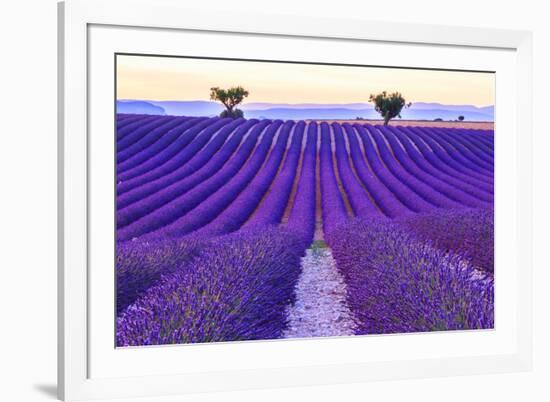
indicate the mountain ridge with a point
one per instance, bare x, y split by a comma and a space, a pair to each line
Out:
417, 111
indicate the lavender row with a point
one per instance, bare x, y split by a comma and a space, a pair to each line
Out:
175, 201
122, 116
247, 201
396, 284
454, 154
272, 207
151, 151
332, 203
416, 185
402, 192
449, 157
192, 159
140, 265
394, 135
163, 156
236, 290
141, 203
141, 130
473, 154
358, 197
442, 162
473, 143
126, 119
200, 137
148, 139
481, 138
468, 233
131, 124
211, 207
302, 215
384, 198
487, 137
451, 192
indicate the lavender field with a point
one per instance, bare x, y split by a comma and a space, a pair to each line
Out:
250, 229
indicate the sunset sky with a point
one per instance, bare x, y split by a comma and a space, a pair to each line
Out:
171, 78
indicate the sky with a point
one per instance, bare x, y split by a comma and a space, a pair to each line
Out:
174, 78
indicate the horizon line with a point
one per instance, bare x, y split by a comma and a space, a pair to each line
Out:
296, 104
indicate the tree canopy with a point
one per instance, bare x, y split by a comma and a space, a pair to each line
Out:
389, 105
230, 98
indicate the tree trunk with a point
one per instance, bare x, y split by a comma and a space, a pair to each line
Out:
387, 119
227, 107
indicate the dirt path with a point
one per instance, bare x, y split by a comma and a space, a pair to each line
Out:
478, 125
321, 308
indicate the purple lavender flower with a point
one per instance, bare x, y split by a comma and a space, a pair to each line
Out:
397, 284
467, 233
140, 265
237, 289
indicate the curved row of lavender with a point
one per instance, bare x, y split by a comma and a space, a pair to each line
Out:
213, 216
397, 284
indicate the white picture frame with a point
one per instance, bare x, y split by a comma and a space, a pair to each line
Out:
77, 18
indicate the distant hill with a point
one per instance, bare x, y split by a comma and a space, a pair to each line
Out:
317, 113
446, 114
138, 107
433, 105
418, 111
189, 108
265, 106
347, 114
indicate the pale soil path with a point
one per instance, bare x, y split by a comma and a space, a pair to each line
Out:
478, 125
321, 308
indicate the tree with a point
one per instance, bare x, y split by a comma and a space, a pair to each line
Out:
389, 106
236, 113
461, 118
230, 98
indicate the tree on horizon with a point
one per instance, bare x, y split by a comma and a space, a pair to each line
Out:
389, 105
230, 98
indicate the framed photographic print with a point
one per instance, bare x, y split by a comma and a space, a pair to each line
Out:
262, 201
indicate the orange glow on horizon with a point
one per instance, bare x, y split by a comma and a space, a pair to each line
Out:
171, 78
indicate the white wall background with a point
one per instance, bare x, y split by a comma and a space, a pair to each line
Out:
28, 199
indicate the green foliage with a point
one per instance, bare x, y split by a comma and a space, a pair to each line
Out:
438, 119
234, 114
230, 98
461, 118
319, 244
389, 105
